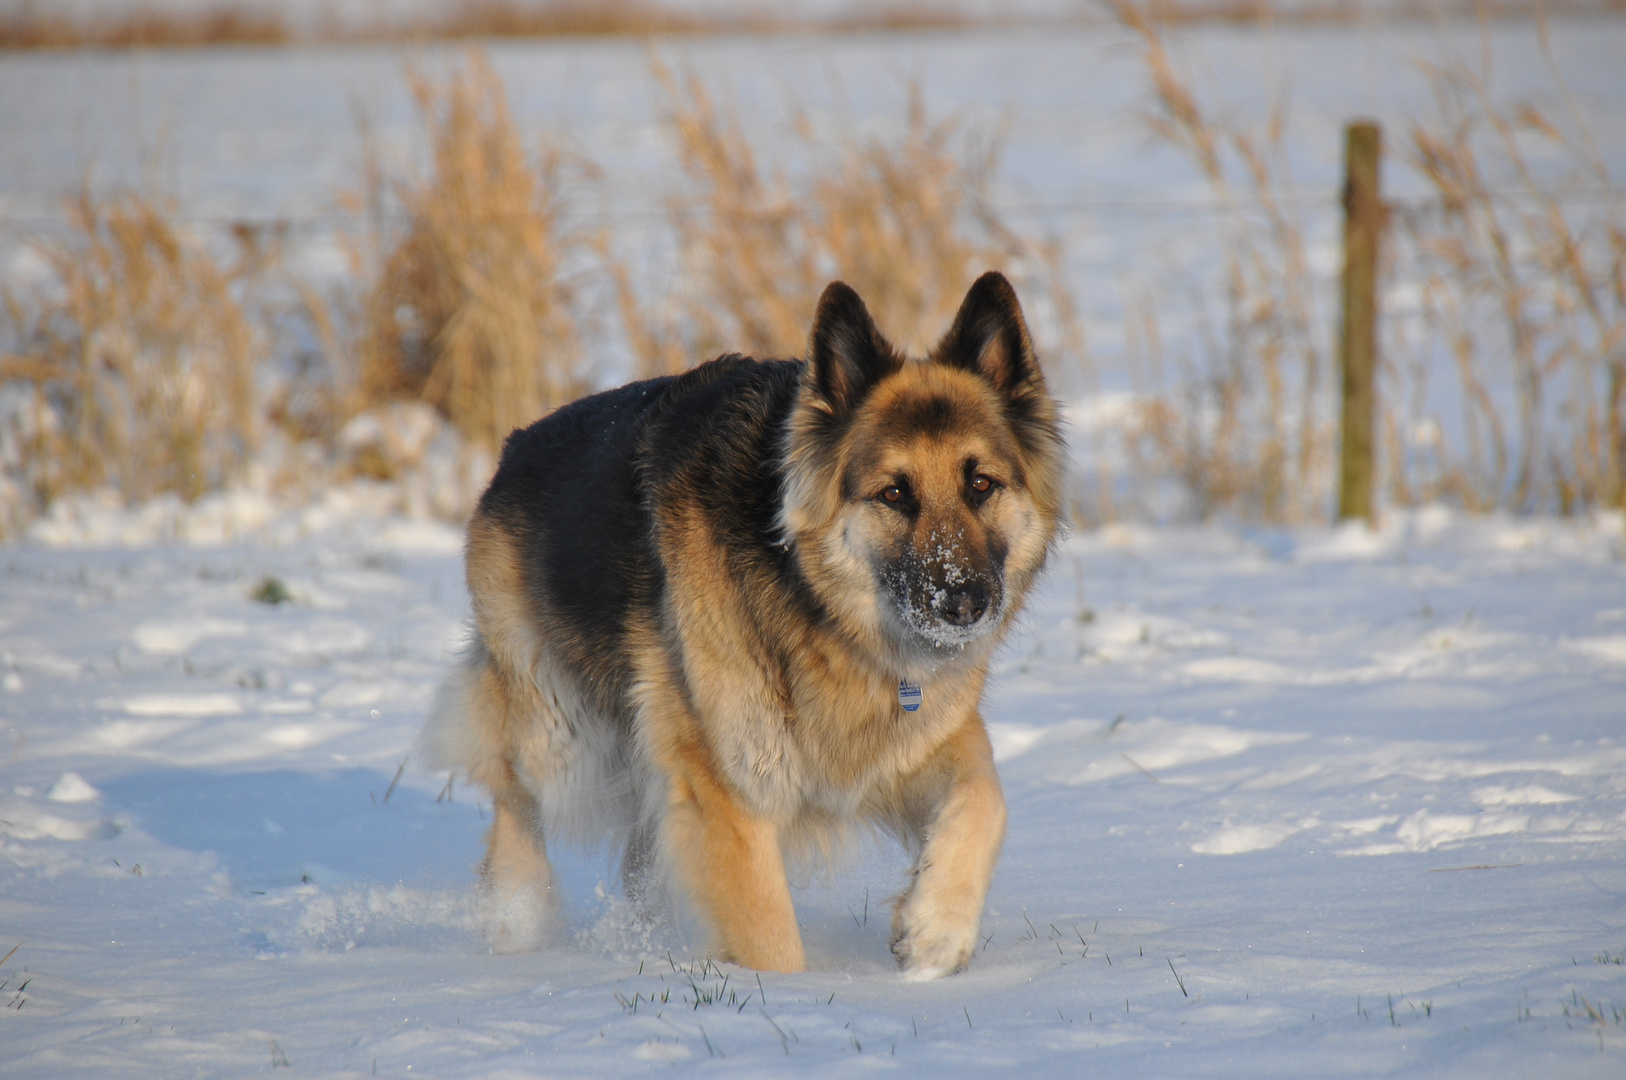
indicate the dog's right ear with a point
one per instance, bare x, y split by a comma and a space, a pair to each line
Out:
846, 354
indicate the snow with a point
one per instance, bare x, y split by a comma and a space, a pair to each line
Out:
1282, 802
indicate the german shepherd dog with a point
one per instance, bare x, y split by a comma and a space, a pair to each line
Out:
727, 615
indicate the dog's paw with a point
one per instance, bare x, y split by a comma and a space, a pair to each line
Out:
928, 950
517, 920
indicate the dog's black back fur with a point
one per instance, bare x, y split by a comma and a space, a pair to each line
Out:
579, 489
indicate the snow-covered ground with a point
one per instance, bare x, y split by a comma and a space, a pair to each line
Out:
1282, 803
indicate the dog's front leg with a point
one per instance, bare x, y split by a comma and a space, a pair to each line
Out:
730, 863
934, 926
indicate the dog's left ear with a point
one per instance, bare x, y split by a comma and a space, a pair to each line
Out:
846, 354
990, 338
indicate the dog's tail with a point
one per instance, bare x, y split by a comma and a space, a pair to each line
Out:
462, 734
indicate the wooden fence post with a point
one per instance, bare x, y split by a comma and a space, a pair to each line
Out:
1357, 344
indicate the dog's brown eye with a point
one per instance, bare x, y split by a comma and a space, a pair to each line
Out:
982, 485
892, 494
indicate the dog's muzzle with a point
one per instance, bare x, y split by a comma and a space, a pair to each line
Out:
943, 613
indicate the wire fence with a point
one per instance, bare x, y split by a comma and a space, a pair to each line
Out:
27, 225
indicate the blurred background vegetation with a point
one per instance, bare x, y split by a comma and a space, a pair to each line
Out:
476, 302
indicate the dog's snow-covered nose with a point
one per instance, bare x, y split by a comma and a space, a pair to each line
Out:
962, 606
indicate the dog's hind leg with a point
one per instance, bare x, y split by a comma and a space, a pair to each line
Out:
960, 818
469, 731
496, 722
516, 878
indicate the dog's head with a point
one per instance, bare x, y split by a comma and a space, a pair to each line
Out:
922, 496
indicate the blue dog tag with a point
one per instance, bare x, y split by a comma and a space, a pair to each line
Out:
908, 695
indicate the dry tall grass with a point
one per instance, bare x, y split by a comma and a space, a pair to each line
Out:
907, 221
140, 27
1248, 429
161, 24
155, 23
137, 363
137, 358
473, 309
1523, 279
